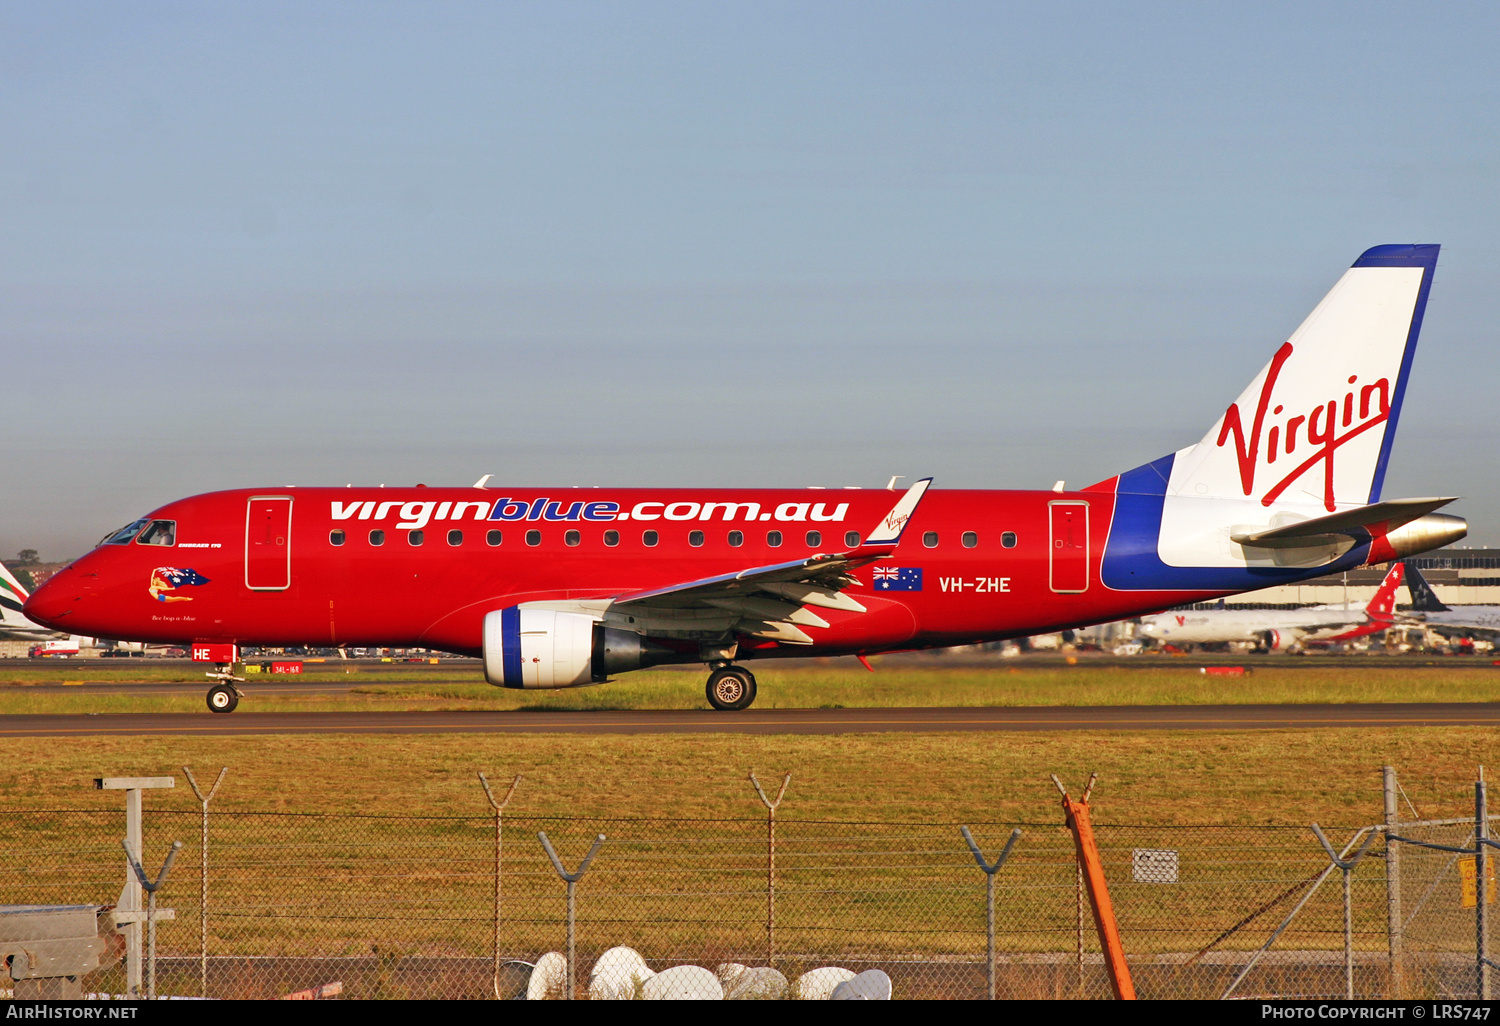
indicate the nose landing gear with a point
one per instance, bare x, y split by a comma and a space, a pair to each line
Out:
731, 688
224, 696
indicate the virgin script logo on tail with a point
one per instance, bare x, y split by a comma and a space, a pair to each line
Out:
1361, 408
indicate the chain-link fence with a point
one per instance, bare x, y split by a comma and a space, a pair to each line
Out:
396, 906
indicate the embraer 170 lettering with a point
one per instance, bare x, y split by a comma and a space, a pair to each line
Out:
556, 589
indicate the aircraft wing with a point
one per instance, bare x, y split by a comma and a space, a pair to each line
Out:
767, 601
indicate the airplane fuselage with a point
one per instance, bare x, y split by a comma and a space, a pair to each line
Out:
423, 566
567, 587
1211, 626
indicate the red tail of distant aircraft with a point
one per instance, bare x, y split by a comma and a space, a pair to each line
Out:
563, 588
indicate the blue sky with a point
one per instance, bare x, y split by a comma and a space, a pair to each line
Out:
758, 243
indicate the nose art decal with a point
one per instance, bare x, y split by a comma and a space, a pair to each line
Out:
167, 579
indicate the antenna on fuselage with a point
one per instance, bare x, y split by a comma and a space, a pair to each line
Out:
483, 481
890, 485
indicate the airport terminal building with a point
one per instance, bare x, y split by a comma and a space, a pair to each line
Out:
1459, 576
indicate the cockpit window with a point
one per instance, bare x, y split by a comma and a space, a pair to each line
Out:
160, 532
124, 534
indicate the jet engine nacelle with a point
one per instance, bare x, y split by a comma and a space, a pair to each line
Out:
1423, 534
548, 648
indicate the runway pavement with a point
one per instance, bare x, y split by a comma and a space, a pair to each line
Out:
770, 721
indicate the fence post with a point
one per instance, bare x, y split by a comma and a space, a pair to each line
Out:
1393, 885
770, 861
1076, 814
1481, 888
571, 879
1346, 866
1317, 882
989, 899
151, 889
203, 877
499, 807
1078, 897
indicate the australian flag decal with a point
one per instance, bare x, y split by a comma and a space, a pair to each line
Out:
898, 578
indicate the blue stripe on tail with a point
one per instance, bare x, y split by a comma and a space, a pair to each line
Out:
1425, 257
1131, 562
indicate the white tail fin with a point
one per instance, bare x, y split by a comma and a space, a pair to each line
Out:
1315, 426
13, 622
11, 590
1310, 436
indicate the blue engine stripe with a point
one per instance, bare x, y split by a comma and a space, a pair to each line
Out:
510, 645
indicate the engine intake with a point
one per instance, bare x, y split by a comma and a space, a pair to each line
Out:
546, 648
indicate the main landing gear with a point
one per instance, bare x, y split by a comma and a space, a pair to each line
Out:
731, 688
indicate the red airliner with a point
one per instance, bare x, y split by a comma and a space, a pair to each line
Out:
563, 588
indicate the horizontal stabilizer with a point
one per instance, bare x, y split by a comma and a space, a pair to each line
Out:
1389, 515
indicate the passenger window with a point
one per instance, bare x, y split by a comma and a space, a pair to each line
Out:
455, 537
335, 537
930, 539
773, 539
736, 538
124, 534
414, 537
161, 532
493, 538
572, 538
377, 537
970, 539
1008, 540
611, 538
649, 538
695, 538
851, 538
533, 537
814, 539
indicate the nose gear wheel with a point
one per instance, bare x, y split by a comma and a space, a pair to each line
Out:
222, 698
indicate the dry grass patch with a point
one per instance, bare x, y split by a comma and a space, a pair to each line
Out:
1273, 776
829, 686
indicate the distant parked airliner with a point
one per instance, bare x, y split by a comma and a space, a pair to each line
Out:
563, 587
1279, 629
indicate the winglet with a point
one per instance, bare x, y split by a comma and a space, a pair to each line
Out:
888, 530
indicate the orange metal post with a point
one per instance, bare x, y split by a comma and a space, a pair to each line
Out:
1077, 813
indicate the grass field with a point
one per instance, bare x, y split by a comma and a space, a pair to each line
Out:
386, 875
1275, 777
828, 686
